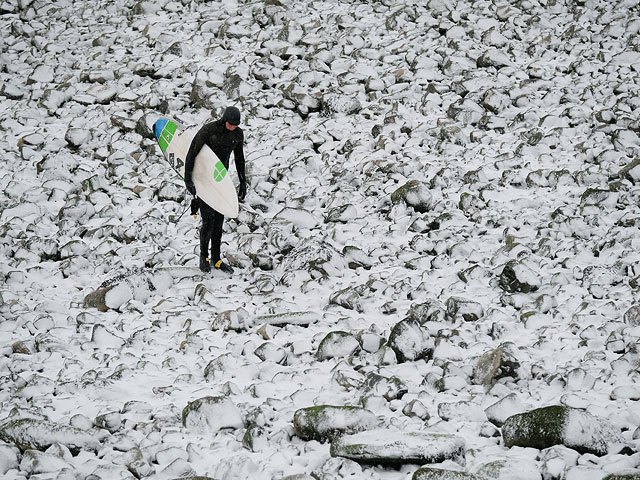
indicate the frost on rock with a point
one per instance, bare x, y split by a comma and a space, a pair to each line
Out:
467, 310
337, 344
326, 422
211, 414
410, 341
28, 433
624, 475
509, 470
495, 365
517, 277
559, 425
632, 316
8, 458
504, 408
415, 194
428, 473
388, 447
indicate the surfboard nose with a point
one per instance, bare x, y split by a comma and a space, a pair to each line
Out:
159, 126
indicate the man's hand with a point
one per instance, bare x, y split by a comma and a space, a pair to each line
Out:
242, 191
190, 186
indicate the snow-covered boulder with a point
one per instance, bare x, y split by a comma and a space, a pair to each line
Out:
389, 447
211, 414
8, 458
415, 194
509, 469
463, 308
496, 364
337, 344
29, 433
518, 277
632, 316
560, 425
410, 341
429, 473
327, 422
504, 408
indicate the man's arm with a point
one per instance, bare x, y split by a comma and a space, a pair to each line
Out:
196, 145
238, 155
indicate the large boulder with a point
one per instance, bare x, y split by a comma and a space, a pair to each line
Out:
211, 414
337, 344
467, 310
30, 433
625, 475
632, 316
496, 364
518, 278
560, 425
411, 341
327, 422
428, 473
388, 447
414, 194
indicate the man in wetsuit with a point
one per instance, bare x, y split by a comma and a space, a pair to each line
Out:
223, 136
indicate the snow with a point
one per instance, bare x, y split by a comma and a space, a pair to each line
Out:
517, 123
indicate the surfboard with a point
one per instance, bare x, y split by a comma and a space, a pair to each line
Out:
210, 177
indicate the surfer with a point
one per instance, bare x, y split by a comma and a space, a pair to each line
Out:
224, 137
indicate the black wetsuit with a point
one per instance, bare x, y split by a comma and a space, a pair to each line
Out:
223, 142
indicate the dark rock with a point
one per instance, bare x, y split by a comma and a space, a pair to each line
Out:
337, 344
410, 341
28, 433
517, 278
560, 425
632, 316
415, 194
327, 422
428, 473
387, 447
496, 364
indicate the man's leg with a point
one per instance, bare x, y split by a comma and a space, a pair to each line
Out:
206, 234
216, 239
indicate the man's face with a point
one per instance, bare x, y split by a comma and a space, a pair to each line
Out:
230, 126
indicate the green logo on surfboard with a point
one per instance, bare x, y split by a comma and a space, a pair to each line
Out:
219, 172
167, 135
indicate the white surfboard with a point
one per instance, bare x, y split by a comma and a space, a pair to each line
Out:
211, 179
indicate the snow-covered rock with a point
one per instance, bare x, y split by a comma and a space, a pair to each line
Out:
558, 425
326, 422
396, 448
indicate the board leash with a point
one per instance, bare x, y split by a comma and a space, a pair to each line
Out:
182, 214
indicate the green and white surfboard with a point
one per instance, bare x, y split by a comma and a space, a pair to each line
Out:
211, 179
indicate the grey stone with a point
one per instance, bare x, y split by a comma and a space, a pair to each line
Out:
496, 364
211, 414
327, 422
388, 447
632, 316
428, 473
415, 194
410, 341
517, 278
337, 344
503, 409
560, 425
467, 310
348, 298
28, 433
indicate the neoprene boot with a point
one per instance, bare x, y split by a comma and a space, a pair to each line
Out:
205, 266
220, 265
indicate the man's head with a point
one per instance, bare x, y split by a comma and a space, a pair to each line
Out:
231, 118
